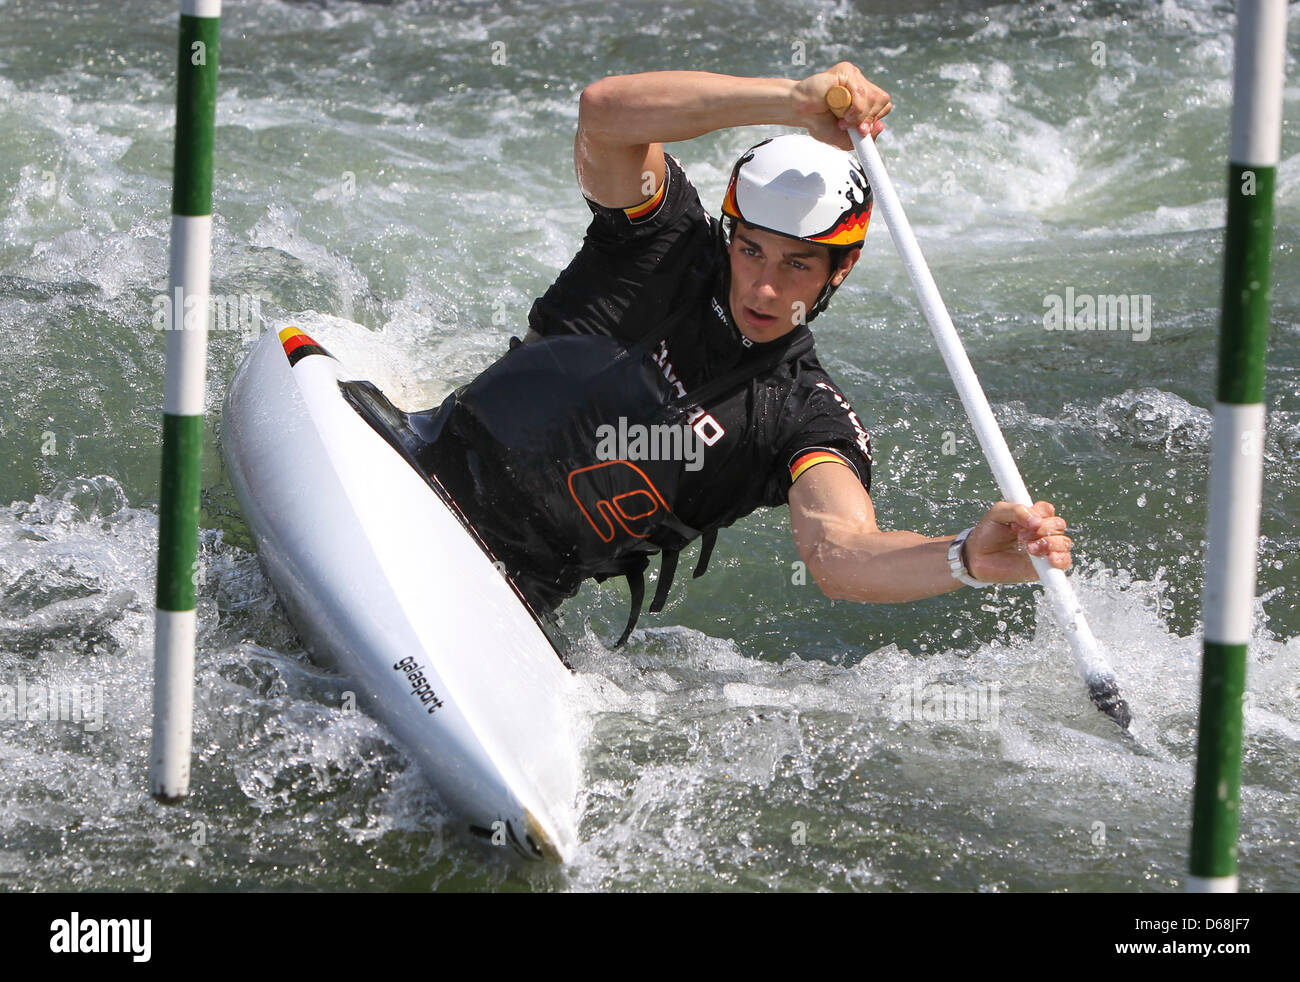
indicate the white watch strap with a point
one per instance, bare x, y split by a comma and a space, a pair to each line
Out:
958, 567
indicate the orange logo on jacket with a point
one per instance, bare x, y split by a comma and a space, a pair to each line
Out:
628, 510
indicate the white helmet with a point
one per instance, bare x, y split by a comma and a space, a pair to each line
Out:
798, 186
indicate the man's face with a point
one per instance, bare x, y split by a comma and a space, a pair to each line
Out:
775, 280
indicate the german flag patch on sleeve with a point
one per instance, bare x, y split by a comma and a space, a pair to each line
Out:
647, 209
813, 456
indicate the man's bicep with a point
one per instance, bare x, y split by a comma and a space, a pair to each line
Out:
828, 504
617, 175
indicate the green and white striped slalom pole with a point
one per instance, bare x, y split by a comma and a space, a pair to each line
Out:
1237, 457
182, 451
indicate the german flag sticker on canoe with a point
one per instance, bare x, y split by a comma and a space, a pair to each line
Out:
298, 345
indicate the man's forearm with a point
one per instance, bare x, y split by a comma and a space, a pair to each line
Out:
884, 567
667, 107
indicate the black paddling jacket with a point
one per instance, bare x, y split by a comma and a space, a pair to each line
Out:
643, 418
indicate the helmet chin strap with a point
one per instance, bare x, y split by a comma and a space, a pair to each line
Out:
824, 300
722, 284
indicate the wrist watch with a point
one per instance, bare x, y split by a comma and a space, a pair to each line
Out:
957, 563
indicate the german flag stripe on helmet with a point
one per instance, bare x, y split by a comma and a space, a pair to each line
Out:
851, 229
729, 206
298, 345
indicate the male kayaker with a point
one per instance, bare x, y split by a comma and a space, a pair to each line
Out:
667, 318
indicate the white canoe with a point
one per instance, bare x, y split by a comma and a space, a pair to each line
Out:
385, 583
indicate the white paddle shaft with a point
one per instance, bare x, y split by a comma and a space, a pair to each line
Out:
1065, 605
